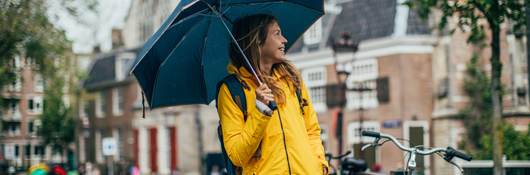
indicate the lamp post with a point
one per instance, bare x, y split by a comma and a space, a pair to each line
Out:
343, 44
342, 76
361, 89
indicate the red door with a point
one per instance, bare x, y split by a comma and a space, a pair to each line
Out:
153, 150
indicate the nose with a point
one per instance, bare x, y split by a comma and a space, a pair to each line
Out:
284, 40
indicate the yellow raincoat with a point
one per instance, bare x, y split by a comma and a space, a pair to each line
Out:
241, 139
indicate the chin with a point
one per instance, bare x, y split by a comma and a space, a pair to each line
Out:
280, 59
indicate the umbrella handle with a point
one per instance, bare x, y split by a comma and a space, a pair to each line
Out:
272, 105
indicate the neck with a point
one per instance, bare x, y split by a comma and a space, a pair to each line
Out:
266, 67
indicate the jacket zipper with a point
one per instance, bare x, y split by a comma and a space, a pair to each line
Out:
284, 143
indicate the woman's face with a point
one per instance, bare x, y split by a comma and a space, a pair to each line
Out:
273, 49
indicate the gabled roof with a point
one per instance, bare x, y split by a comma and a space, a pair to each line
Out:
103, 70
364, 20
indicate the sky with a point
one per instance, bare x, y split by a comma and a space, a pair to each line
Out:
97, 26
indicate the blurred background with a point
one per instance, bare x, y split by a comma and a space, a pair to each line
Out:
68, 100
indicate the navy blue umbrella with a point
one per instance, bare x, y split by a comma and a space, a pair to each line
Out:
183, 61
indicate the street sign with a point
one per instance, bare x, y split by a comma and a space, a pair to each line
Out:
395, 123
9, 151
110, 146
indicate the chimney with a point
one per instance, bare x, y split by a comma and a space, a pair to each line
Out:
117, 39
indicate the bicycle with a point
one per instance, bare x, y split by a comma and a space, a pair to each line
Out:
348, 165
446, 153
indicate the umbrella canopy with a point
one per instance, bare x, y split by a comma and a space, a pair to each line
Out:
186, 58
38, 169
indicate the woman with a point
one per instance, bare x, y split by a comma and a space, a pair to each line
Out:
287, 141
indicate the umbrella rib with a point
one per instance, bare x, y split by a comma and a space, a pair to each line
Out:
199, 13
207, 15
260, 3
202, 53
233, 39
264, 2
164, 62
157, 38
160, 36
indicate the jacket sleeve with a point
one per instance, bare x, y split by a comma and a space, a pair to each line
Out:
313, 128
241, 139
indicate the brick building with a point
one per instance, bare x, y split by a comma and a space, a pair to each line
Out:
424, 74
23, 100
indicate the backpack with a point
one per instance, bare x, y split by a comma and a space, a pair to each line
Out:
235, 86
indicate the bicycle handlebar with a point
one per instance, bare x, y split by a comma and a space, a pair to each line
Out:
453, 152
371, 134
449, 152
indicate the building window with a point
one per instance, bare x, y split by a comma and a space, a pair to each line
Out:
35, 105
363, 75
83, 106
11, 128
39, 83
17, 151
318, 94
354, 136
314, 76
101, 104
39, 151
8, 151
518, 72
118, 101
15, 86
315, 81
314, 34
13, 111
27, 151
31, 129
124, 63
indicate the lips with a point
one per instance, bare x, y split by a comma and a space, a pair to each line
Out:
282, 49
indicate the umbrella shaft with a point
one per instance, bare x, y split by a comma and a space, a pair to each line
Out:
244, 56
235, 41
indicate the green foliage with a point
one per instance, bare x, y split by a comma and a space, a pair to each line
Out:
477, 17
27, 32
470, 14
477, 118
516, 145
58, 125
